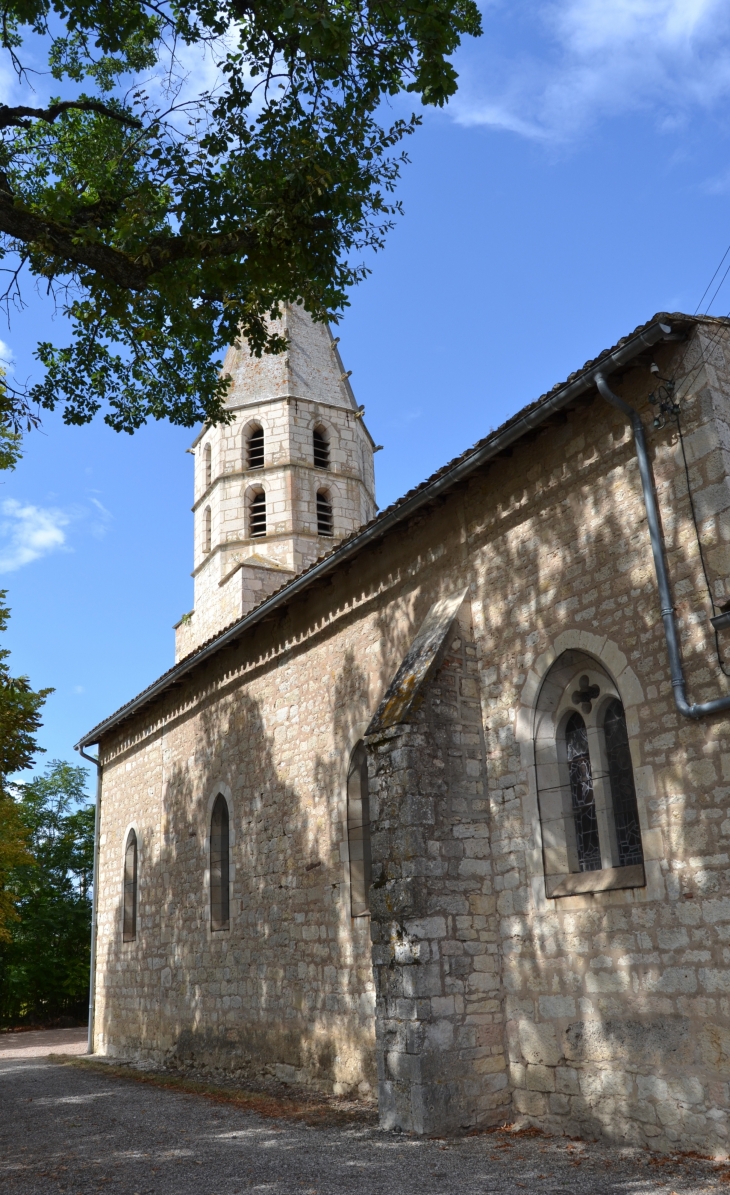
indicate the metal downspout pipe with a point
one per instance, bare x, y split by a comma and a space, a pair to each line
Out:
92, 960
700, 709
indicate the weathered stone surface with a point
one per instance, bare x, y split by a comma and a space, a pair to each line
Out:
622, 995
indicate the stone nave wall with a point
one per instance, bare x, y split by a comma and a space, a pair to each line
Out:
610, 1011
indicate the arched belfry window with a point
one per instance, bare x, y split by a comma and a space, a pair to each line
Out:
207, 465
589, 815
129, 927
358, 832
324, 513
320, 443
257, 514
255, 448
207, 530
219, 865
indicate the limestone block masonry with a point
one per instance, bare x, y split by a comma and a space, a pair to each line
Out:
468, 995
435, 928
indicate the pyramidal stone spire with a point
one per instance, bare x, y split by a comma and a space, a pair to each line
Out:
283, 483
311, 368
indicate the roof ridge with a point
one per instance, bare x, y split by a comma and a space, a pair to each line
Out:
203, 650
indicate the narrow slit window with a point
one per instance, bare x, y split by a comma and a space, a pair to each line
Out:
207, 530
581, 791
358, 832
324, 514
219, 865
255, 448
258, 515
208, 465
623, 792
321, 449
129, 929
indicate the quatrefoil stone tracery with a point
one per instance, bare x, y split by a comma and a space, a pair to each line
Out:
586, 694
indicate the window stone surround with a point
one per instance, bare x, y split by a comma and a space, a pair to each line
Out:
574, 889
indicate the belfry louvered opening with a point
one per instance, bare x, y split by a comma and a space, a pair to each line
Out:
219, 865
255, 448
324, 513
129, 928
258, 515
321, 448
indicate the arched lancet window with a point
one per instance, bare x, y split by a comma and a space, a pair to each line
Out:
207, 465
257, 515
324, 513
587, 799
129, 928
321, 448
581, 791
358, 832
207, 529
255, 448
219, 865
621, 780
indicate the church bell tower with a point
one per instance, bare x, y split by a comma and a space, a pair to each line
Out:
280, 485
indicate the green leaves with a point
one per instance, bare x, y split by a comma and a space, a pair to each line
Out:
44, 965
20, 710
19, 720
167, 229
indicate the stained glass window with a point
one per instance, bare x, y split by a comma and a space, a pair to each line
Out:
581, 790
623, 793
219, 857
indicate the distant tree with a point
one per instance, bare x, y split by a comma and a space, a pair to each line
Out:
19, 720
44, 967
13, 854
20, 710
167, 218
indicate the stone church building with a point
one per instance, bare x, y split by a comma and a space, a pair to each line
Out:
434, 805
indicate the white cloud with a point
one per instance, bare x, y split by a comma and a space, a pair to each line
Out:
28, 532
594, 58
100, 520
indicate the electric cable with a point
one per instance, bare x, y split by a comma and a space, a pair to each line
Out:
721, 662
709, 284
693, 373
702, 360
719, 288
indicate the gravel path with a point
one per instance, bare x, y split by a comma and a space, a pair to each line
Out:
38, 1043
67, 1129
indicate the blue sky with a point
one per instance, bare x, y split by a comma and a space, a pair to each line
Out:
578, 183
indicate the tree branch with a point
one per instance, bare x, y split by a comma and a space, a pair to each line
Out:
52, 238
131, 273
17, 117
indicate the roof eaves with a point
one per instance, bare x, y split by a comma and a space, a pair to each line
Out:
662, 327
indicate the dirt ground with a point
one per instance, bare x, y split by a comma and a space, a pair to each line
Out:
70, 1127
